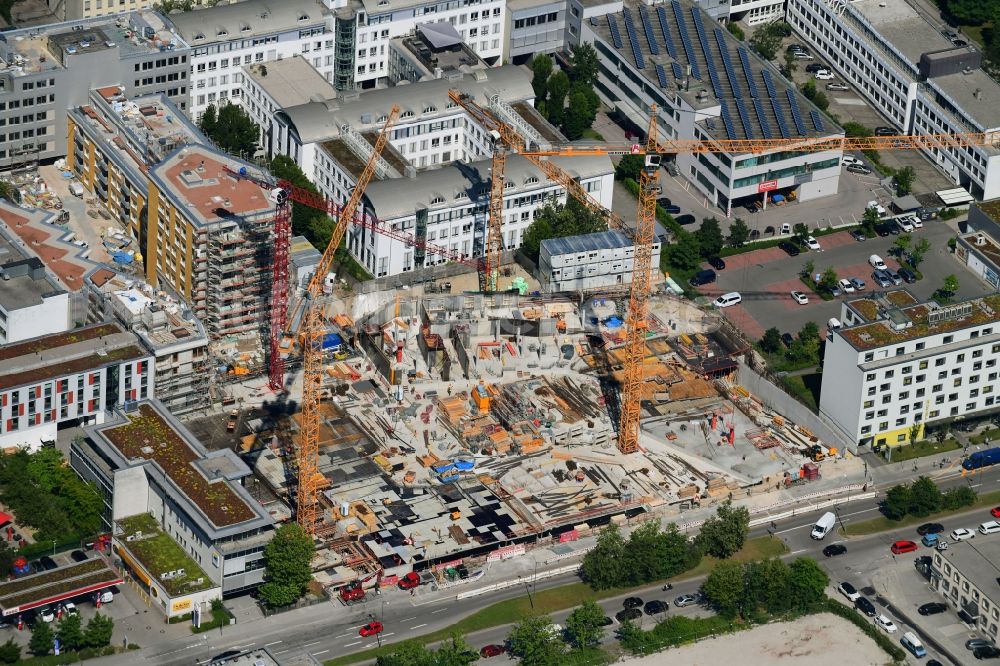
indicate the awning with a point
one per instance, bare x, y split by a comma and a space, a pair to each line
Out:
5, 518
955, 196
906, 203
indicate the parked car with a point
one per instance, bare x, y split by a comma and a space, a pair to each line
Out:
824, 75
814, 67
69, 608
837, 86
876, 262
930, 528
672, 209
632, 602
905, 224
834, 549
492, 650
787, 339
894, 276
865, 605
800, 298
885, 623
813, 244
791, 249
903, 546
78, 556
881, 279
858, 235
849, 591
717, 263
986, 651
850, 160
974, 643
685, 600
906, 275
655, 607
685, 219
995, 512
409, 581
858, 283
879, 208
628, 614
727, 300
371, 629
700, 278
47, 615
932, 608
886, 229
802, 55
989, 527
663, 202
794, 47
846, 286
859, 169
47, 563
885, 131
961, 534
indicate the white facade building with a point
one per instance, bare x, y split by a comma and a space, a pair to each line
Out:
534, 26
744, 99
918, 78
590, 261
448, 208
224, 39
898, 365
31, 303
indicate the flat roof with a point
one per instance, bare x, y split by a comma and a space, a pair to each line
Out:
291, 81
62, 354
39, 236
148, 434
739, 117
977, 94
195, 180
601, 240
243, 20
159, 554
900, 24
59, 584
25, 283
983, 244
977, 562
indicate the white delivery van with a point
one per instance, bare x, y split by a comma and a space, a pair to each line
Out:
76, 189
833, 324
913, 644
823, 525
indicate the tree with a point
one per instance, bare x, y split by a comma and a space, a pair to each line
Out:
904, 179
407, 653
821, 101
70, 632
541, 68
766, 40
287, 558
767, 584
897, 502
558, 88
655, 554
806, 582
583, 64
853, 129
724, 533
629, 166
925, 497
233, 131
98, 631
455, 652
969, 12
956, 498
791, 64
585, 625
555, 220
739, 232
534, 642
806, 344
685, 253
285, 168
808, 268
725, 587
828, 280
868, 221
770, 343
582, 111
10, 652
918, 251
950, 285
809, 89
801, 232
41, 642
901, 245
736, 30
709, 236
606, 564
209, 120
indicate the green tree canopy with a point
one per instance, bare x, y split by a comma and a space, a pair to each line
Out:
41, 642
902, 244
736, 30
739, 232
232, 130
583, 106
10, 652
919, 250
970, 12
98, 631
770, 342
534, 642
629, 166
925, 498
558, 87
407, 653
70, 632
806, 582
897, 502
904, 179
685, 253
766, 40
606, 564
709, 236
767, 584
725, 587
455, 652
583, 64
287, 558
829, 279
556, 220
541, 70
724, 533
585, 625
9, 192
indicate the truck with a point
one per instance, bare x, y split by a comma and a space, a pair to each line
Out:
982, 459
823, 526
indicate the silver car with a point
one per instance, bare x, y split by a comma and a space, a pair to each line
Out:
685, 600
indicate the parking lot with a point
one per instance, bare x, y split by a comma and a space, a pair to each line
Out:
765, 278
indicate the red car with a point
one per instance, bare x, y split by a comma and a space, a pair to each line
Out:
903, 547
371, 629
352, 593
409, 581
995, 512
492, 650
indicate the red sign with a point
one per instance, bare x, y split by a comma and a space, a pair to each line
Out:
572, 535
767, 186
636, 149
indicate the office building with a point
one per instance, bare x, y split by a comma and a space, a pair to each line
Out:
448, 208
591, 261
898, 365
709, 86
979, 247
46, 70
69, 379
182, 521
534, 26
922, 81
71, 10
966, 576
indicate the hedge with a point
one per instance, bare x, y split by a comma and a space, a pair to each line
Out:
852, 616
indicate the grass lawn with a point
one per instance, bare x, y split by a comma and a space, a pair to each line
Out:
805, 387
592, 134
883, 524
925, 448
993, 434
556, 599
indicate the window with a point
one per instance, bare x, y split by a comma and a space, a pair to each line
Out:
948, 339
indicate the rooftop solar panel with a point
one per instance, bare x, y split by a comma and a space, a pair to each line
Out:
728, 121
769, 83
593, 20
793, 106
661, 13
720, 41
741, 109
713, 72
779, 116
747, 72
686, 39
678, 70
661, 75
633, 39
765, 126
616, 36
817, 120
654, 46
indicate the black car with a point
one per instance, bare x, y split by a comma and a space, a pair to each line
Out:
865, 606
934, 662
885, 131
986, 652
858, 235
228, 654
78, 556
628, 614
909, 277
795, 47
814, 67
717, 263
671, 210
706, 276
930, 528
663, 202
47, 563
791, 249
632, 602
656, 607
882, 229
975, 643
834, 549
787, 339
685, 219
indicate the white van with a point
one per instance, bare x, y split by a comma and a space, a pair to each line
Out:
991, 527
724, 301
913, 644
877, 263
833, 324
823, 525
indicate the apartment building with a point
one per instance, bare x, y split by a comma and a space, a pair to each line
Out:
966, 577
46, 70
227, 38
68, 379
590, 261
919, 79
534, 26
447, 208
175, 497
71, 10
979, 247
708, 86
898, 365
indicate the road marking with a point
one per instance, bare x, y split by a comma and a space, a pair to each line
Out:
241, 647
418, 626
391, 633
439, 610
796, 552
354, 643
316, 654
313, 643
409, 618
283, 651
274, 643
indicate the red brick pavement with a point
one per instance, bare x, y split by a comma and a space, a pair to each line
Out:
764, 256
742, 319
